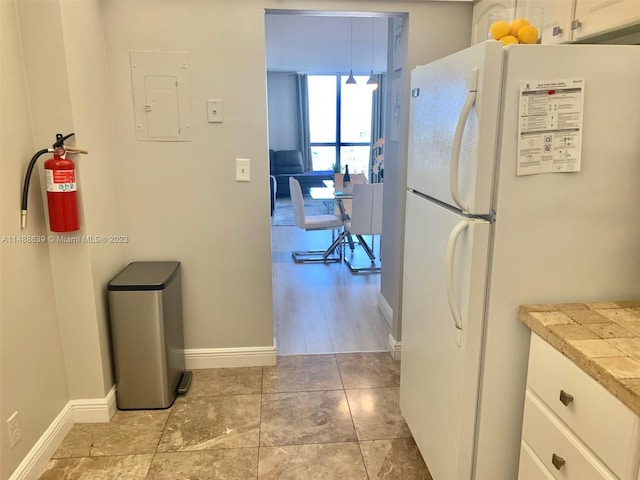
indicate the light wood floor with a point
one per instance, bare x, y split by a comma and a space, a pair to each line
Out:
322, 308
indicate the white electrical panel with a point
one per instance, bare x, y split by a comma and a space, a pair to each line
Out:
161, 96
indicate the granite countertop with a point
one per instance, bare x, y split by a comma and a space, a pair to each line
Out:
602, 338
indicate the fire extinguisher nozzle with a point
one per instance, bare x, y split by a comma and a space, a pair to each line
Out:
23, 220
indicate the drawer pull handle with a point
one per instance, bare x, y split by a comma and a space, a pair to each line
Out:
557, 461
565, 398
557, 30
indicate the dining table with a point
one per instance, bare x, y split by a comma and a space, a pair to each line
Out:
338, 196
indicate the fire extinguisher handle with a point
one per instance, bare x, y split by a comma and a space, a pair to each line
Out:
60, 139
76, 150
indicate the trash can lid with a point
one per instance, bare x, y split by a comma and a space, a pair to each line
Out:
145, 276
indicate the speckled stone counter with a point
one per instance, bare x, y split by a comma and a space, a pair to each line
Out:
602, 338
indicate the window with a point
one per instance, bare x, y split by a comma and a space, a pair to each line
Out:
339, 122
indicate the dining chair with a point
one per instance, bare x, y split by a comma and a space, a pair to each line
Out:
346, 203
366, 219
315, 222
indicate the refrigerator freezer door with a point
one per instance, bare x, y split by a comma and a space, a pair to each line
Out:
439, 93
441, 362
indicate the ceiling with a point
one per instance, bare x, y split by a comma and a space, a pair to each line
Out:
321, 44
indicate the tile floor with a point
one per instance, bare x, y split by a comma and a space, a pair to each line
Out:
310, 417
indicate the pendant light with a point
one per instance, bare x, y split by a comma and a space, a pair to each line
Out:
372, 82
351, 80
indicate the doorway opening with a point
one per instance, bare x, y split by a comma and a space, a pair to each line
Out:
325, 308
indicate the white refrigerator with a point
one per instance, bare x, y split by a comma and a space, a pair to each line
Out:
480, 240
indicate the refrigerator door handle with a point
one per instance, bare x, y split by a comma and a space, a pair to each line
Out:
457, 141
451, 293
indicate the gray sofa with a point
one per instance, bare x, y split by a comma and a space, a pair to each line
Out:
286, 163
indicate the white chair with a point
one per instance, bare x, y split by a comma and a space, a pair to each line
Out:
315, 222
366, 219
345, 205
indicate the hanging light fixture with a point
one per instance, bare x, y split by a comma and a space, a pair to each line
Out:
351, 80
372, 82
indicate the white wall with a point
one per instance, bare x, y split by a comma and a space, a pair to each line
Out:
181, 200
33, 379
91, 108
320, 43
55, 339
72, 48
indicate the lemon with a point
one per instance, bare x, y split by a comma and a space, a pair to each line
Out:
508, 40
528, 34
516, 25
499, 29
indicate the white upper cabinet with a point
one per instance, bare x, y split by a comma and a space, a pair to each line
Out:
565, 20
594, 17
481, 12
558, 15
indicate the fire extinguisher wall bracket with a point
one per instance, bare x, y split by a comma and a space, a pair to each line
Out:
62, 192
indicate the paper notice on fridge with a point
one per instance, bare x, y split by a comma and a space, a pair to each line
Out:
550, 126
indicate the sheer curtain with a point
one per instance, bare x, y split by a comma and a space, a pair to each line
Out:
302, 119
377, 116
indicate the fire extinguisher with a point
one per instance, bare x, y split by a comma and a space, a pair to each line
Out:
62, 194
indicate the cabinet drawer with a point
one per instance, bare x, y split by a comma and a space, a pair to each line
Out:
552, 443
598, 418
531, 467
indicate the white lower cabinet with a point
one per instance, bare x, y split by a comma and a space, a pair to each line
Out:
531, 467
573, 428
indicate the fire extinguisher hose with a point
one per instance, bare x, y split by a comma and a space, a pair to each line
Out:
25, 187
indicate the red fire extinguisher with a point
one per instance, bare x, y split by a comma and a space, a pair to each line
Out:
62, 194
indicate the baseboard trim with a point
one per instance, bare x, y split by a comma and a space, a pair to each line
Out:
395, 347
385, 309
36, 460
95, 410
198, 358
91, 410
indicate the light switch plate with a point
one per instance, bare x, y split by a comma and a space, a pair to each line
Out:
243, 170
214, 111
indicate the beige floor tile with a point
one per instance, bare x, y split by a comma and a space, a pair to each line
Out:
376, 413
228, 464
302, 373
397, 459
78, 441
128, 467
305, 417
202, 423
225, 381
312, 462
128, 433
372, 369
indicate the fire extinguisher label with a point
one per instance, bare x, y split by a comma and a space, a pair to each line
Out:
61, 180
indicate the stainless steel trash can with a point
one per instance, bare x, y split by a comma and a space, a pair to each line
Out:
145, 303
